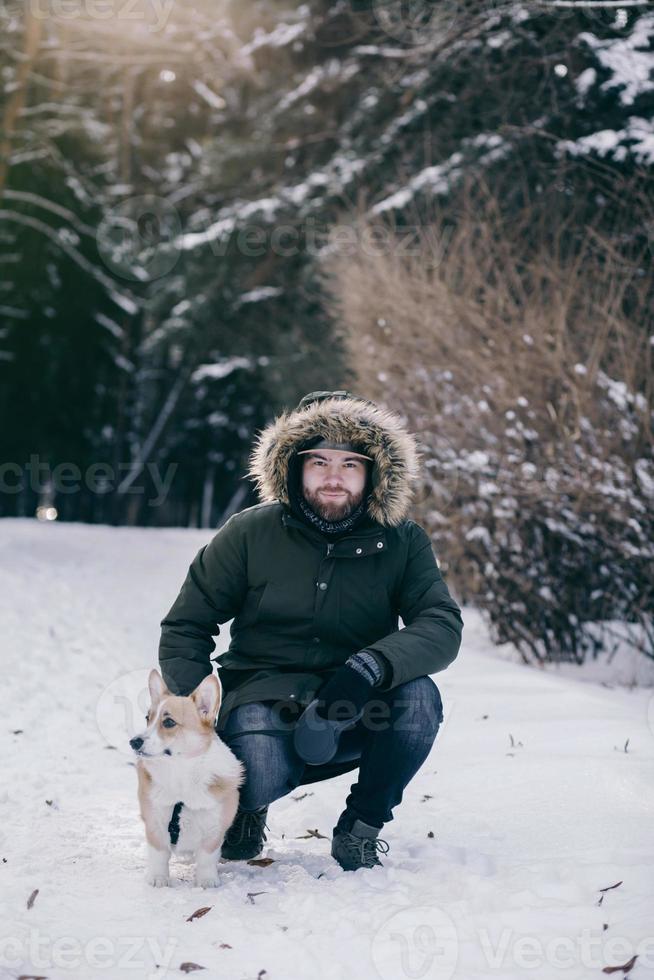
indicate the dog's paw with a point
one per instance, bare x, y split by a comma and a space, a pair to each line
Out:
207, 881
158, 881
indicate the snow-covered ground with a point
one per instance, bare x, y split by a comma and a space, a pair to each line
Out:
538, 794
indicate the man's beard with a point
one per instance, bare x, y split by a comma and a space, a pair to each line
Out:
332, 509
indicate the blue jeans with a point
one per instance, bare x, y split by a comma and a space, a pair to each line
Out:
387, 745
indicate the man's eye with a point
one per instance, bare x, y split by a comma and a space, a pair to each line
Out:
169, 723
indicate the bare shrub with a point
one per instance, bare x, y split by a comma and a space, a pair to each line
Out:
520, 353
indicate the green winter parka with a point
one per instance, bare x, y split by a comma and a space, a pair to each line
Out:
300, 605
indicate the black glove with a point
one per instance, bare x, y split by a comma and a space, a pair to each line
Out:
343, 696
339, 705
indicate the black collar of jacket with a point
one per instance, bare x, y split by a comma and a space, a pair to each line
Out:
356, 544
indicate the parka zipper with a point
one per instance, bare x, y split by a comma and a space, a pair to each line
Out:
329, 549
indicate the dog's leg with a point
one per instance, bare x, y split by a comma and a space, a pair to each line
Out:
156, 834
211, 826
157, 874
156, 831
206, 868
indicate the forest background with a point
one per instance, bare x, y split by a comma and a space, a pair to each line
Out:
209, 209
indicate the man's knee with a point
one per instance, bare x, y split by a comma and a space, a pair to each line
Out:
417, 707
253, 717
272, 768
271, 771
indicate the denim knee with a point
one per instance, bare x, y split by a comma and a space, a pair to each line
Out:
253, 717
417, 707
272, 768
270, 771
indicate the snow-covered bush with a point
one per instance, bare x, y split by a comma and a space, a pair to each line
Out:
521, 356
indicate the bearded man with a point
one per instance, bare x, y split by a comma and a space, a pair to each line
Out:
318, 679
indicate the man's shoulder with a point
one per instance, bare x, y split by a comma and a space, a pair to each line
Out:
269, 512
407, 531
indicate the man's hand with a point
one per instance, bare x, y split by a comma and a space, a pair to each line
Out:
340, 703
343, 696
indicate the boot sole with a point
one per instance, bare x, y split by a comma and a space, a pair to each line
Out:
240, 856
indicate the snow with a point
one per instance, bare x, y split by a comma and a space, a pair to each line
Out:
418, 108
126, 303
109, 324
644, 470
538, 794
337, 175
227, 220
15, 312
332, 71
630, 60
282, 35
617, 391
479, 533
221, 369
637, 132
586, 80
209, 96
439, 178
123, 363
435, 179
380, 51
500, 39
260, 294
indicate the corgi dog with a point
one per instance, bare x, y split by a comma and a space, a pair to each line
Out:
188, 780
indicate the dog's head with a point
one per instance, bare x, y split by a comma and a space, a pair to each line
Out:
178, 725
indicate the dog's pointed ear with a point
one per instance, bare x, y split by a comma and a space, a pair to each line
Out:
157, 687
207, 696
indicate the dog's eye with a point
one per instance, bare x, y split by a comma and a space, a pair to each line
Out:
147, 718
169, 722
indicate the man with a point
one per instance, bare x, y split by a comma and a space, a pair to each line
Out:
318, 679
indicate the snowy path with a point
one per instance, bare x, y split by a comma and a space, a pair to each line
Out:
524, 837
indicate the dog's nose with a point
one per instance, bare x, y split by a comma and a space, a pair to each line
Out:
136, 742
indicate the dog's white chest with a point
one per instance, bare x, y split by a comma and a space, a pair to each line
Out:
187, 788
192, 827
193, 782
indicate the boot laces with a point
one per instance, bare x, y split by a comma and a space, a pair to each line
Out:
248, 824
365, 848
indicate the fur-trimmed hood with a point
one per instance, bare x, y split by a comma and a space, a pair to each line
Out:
341, 418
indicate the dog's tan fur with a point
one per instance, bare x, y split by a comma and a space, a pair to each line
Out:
155, 840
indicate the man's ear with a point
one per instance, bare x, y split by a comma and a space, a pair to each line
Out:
157, 687
207, 697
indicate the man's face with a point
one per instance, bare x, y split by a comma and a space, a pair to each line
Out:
333, 483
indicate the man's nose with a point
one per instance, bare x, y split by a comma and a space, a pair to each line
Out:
136, 742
